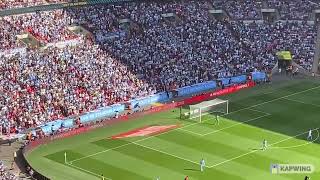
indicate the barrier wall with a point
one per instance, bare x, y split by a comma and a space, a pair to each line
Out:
258, 76
165, 107
225, 81
233, 80
238, 79
140, 103
149, 100
221, 92
189, 90
102, 113
67, 123
206, 96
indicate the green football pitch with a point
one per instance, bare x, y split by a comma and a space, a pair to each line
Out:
282, 113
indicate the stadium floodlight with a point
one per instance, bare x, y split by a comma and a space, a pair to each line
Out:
214, 108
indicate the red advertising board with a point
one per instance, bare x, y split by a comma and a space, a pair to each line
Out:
214, 94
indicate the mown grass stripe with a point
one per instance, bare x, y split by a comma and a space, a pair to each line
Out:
227, 121
202, 145
140, 166
57, 171
170, 147
166, 161
97, 167
246, 170
108, 169
210, 147
287, 118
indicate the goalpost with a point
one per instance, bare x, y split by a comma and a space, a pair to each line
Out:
214, 107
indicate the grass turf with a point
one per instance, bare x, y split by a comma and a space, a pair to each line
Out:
281, 113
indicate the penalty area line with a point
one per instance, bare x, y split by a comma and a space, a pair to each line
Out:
249, 107
228, 160
253, 151
236, 124
300, 145
302, 102
191, 132
166, 153
266, 113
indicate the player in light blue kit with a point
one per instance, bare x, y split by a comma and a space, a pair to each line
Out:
310, 135
202, 165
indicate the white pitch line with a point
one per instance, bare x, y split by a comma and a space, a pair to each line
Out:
237, 157
191, 132
133, 142
302, 102
265, 93
250, 107
199, 134
169, 154
253, 151
110, 149
250, 152
259, 111
92, 173
94, 154
195, 123
289, 147
280, 98
236, 124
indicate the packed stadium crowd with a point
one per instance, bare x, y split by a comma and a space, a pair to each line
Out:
46, 27
5, 174
240, 10
57, 83
11, 4
294, 10
265, 40
191, 49
162, 51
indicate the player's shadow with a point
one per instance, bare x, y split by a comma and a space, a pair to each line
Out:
255, 149
191, 169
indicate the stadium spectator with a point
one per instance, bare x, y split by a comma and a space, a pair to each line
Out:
151, 53
5, 174
49, 85
237, 9
11, 4
265, 40
294, 9
46, 27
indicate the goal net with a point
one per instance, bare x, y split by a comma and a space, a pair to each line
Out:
207, 109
